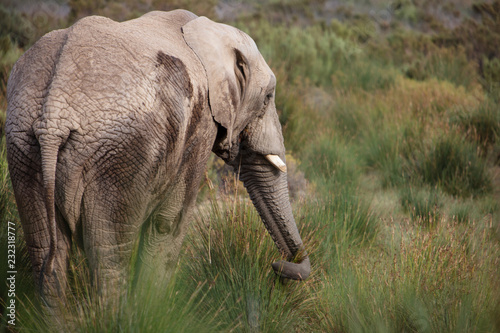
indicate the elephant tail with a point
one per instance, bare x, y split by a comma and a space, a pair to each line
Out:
49, 148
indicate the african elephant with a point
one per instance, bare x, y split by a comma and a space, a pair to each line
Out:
109, 128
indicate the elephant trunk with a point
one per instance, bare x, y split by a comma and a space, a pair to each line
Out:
268, 189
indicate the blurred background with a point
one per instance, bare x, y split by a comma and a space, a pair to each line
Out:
391, 118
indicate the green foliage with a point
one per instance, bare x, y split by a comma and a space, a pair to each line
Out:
491, 70
450, 65
312, 53
448, 161
128, 9
345, 221
417, 283
8, 57
398, 142
232, 251
481, 124
421, 58
381, 150
455, 166
200, 8
480, 39
461, 213
319, 54
422, 205
84, 8
331, 163
16, 28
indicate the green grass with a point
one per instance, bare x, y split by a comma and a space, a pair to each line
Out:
417, 280
454, 165
423, 205
232, 251
332, 163
396, 131
481, 124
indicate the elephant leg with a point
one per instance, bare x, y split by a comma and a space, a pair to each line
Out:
51, 285
109, 234
25, 173
161, 239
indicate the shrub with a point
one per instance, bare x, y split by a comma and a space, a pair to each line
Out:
331, 163
350, 117
481, 124
422, 205
480, 39
18, 29
366, 74
381, 150
314, 53
455, 166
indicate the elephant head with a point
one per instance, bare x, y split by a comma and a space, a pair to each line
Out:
241, 96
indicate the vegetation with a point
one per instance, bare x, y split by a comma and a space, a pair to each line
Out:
391, 119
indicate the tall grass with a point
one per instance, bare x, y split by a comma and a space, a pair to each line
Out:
456, 167
399, 143
232, 251
321, 55
332, 163
419, 281
480, 124
423, 205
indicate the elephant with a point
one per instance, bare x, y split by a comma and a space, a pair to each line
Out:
109, 130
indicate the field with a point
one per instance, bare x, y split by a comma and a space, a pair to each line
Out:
391, 119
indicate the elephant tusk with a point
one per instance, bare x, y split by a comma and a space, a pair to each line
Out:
277, 162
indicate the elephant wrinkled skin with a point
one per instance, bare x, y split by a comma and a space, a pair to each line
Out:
109, 129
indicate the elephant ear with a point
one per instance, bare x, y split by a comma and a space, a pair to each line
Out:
218, 48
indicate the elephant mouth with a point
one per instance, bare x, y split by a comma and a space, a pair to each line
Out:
276, 162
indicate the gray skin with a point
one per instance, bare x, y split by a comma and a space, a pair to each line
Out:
109, 129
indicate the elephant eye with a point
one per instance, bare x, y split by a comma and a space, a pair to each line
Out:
268, 98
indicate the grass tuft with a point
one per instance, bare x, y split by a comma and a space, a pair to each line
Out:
481, 124
455, 166
424, 206
232, 252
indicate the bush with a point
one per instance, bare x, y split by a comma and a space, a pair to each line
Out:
332, 164
18, 29
422, 205
455, 166
381, 151
481, 124
317, 53
451, 65
366, 74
